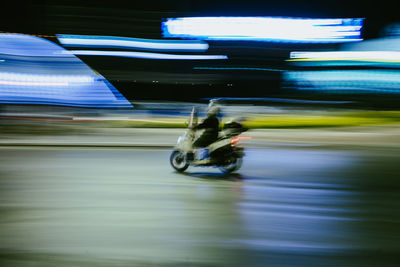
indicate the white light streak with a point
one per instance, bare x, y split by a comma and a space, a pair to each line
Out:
145, 55
110, 41
50, 79
264, 29
33, 83
386, 56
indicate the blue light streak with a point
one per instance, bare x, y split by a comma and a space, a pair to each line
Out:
131, 43
280, 100
145, 55
34, 70
235, 68
268, 29
380, 81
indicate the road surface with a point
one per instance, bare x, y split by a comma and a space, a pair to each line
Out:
294, 206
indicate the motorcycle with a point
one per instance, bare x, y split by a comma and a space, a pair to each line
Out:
226, 153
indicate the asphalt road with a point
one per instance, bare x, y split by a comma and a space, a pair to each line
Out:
127, 207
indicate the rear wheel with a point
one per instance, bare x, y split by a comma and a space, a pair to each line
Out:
233, 165
178, 161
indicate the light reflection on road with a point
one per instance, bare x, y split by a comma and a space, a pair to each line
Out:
286, 207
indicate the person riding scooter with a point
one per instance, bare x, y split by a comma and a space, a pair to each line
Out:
213, 148
211, 129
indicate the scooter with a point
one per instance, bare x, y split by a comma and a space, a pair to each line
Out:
226, 153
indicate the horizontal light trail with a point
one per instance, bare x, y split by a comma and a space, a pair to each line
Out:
270, 29
132, 43
30, 79
376, 56
145, 55
345, 80
20, 83
235, 68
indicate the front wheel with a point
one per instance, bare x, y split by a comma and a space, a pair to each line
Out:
178, 161
232, 166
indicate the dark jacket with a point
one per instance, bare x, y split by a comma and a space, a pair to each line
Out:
210, 134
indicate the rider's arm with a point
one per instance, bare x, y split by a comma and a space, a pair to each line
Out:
202, 125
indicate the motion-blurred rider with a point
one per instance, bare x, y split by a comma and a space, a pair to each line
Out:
211, 128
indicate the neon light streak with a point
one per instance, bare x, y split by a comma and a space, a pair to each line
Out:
145, 55
34, 83
42, 79
271, 29
375, 56
346, 80
134, 43
37, 71
235, 68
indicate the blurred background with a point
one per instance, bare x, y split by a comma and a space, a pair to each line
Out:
129, 46
252, 68
94, 94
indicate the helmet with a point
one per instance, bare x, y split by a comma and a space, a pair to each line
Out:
213, 110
